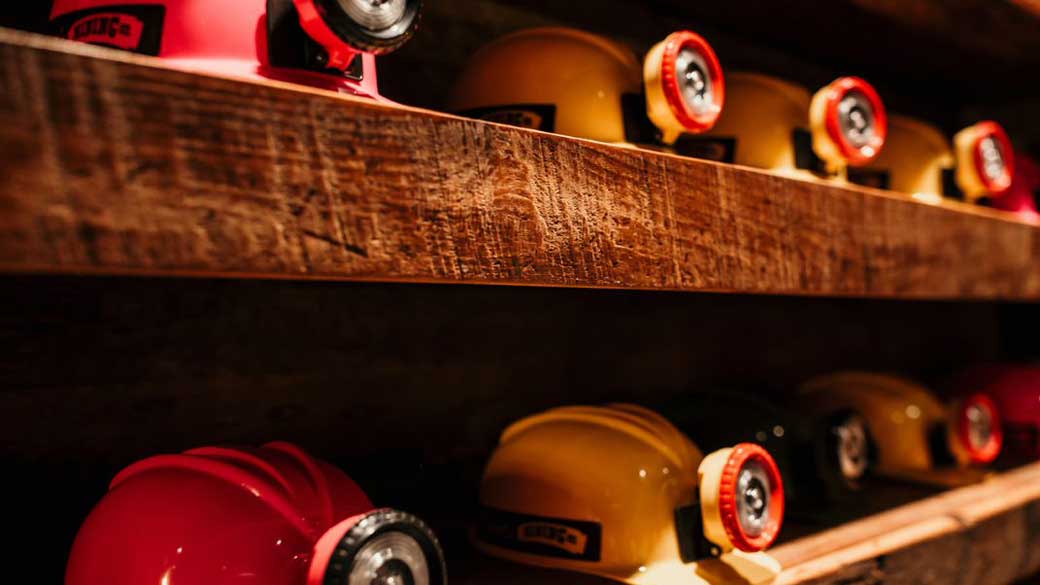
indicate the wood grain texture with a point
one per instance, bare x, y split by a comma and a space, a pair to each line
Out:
114, 165
984, 534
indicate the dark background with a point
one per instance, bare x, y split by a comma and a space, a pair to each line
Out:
407, 386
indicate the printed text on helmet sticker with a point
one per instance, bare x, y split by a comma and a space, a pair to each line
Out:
534, 116
540, 535
136, 28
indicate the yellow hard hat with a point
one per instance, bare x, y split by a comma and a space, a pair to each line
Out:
582, 84
774, 124
918, 160
913, 431
915, 156
618, 491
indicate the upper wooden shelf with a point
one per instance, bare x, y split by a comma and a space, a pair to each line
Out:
114, 164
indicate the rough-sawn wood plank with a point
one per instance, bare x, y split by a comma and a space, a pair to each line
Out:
114, 164
983, 534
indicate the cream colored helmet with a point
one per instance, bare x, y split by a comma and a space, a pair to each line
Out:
582, 84
918, 160
774, 124
619, 491
917, 435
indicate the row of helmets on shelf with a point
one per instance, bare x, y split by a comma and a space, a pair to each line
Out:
691, 491
584, 85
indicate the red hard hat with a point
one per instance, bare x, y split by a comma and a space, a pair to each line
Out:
324, 43
272, 516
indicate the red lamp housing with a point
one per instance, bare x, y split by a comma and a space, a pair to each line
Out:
1015, 392
330, 44
993, 156
860, 132
751, 498
275, 514
979, 429
693, 81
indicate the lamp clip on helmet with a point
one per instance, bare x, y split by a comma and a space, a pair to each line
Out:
276, 514
848, 123
618, 491
985, 161
329, 44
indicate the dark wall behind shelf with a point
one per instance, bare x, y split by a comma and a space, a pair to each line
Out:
30, 16
403, 385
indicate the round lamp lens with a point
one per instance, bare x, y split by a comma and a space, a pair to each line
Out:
991, 153
856, 116
753, 496
695, 81
853, 447
980, 425
391, 558
374, 15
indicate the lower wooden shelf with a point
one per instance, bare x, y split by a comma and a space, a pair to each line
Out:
983, 534
987, 533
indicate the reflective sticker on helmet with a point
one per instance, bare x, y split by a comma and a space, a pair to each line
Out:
540, 535
534, 116
136, 28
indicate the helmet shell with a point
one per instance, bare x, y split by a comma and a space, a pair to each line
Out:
777, 125
904, 418
556, 79
197, 35
619, 470
211, 515
761, 114
913, 160
1025, 186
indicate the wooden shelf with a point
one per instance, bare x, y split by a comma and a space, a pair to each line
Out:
984, 534
114, 164
987, 533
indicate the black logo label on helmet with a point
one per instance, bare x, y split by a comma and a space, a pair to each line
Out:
804, 156
534, 116
540, 535
869, 177
136, 28
949, 184
716, 148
